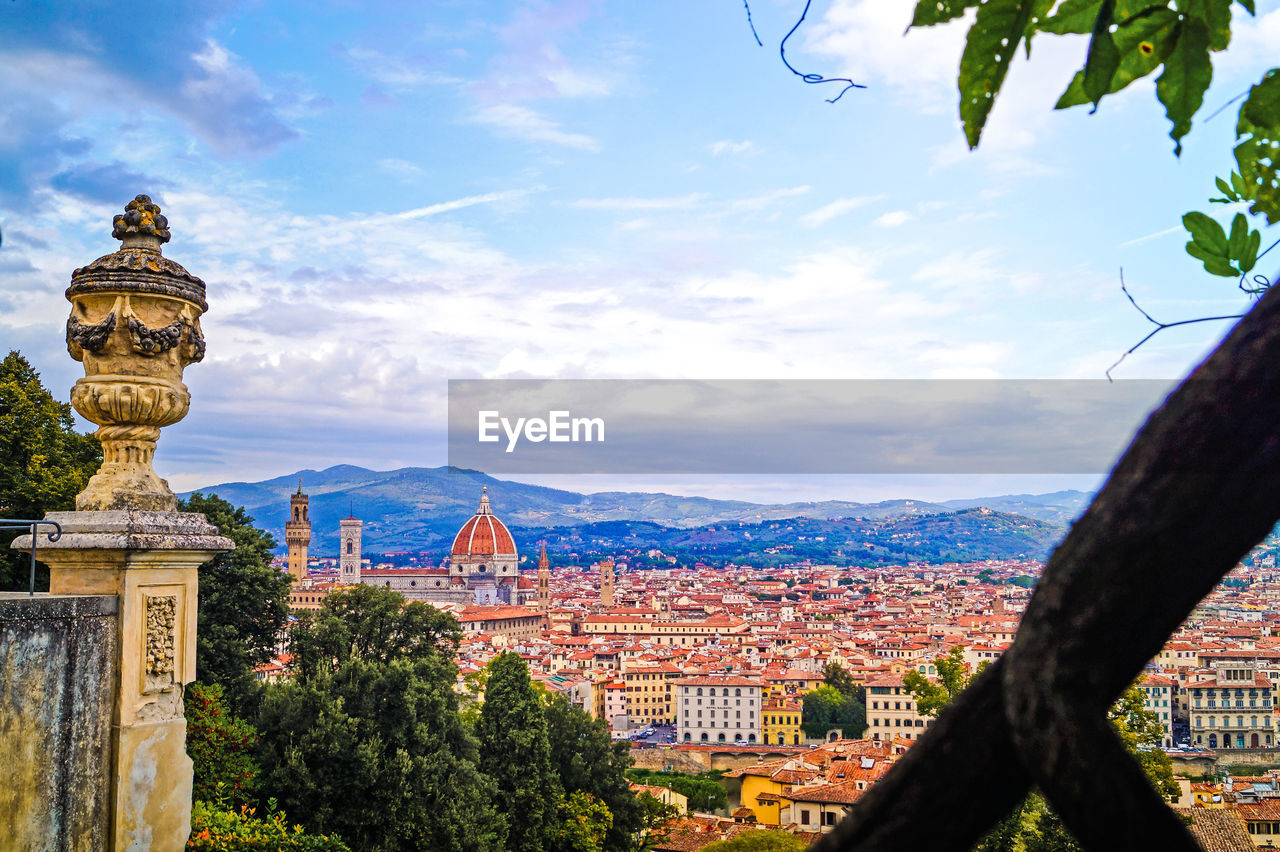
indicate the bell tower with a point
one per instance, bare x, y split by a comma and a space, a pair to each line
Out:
544, 581
349, 530
297, 535
606, 582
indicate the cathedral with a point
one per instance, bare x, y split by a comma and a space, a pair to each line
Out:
483, 566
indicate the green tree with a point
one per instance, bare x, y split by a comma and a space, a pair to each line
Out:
373, 624
214, 828
221, 748
586, 759
932, 695
1142, 733
657, 818
836, 675
705, 793
44, 462
1048, 834
762, 840
514, 752
826, 707
376, 752
584, 821
243, 602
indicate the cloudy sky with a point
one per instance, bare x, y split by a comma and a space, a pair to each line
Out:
382, 197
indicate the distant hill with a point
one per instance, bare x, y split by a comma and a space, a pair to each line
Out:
417, 508
953, 536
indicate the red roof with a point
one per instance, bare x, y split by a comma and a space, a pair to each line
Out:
483, 535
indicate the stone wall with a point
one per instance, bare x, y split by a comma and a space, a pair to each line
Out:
57, 674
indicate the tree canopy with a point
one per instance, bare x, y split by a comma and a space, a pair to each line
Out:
514, 752
932, 695
373, 624
243, 601
826, 707
377, 753
44, 461
586, 759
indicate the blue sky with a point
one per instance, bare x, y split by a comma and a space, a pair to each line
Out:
382, 197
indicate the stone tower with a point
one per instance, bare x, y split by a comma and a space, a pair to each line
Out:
606, 582
349, 529
544, 581
297, 535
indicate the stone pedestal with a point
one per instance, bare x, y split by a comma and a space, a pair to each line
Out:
148, 561
57, 696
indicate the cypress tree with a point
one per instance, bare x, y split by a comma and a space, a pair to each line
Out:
514, 752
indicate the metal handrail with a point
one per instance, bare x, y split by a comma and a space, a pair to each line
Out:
18, 523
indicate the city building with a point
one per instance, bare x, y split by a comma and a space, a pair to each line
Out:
719, 709
892, 711
1232, 708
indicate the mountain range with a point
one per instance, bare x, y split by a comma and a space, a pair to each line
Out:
417, 508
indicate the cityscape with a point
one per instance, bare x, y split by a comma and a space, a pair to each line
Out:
584, 426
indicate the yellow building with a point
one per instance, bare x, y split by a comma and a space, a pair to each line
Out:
764, 786
781, 721
650, 694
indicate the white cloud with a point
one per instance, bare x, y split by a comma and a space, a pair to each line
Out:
400, 168
893, 218
524, 123
678, 202
839, 207
725, 146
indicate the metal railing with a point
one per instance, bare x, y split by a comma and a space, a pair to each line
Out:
19, 523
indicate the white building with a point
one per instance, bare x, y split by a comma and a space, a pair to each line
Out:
349, 530
719, 709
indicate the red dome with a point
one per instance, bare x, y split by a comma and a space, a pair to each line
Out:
483, 535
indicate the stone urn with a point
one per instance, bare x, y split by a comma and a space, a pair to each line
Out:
134, 324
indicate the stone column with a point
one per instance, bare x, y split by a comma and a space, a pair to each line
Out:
135, 325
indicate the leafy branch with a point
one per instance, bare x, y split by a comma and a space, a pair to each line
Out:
1130, 40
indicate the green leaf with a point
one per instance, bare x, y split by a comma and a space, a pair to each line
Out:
1213, 263
1239, 233
1143, 42
1206, 232
930, 12
1103, 58
1231, 193
1073, 16
1217, 17
1262, 107
1248, 4
992, 41
1249, 256
1187, 74
1258, 152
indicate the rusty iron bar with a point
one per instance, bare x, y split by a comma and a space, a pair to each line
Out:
19, 523
1197, 488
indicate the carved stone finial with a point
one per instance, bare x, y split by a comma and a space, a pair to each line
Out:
135, 325
141, 223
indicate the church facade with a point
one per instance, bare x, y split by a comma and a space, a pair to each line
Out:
483, 567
